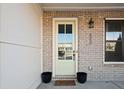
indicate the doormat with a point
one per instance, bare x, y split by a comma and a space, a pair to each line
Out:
65, 83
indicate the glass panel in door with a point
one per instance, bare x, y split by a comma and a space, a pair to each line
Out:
61, 42
69, 42
65, 42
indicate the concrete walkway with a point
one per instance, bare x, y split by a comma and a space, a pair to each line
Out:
87, 85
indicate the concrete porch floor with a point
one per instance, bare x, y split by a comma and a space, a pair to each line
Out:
87, 85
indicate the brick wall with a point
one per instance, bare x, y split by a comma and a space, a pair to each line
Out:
90, 55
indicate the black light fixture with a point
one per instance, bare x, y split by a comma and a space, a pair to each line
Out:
91, 23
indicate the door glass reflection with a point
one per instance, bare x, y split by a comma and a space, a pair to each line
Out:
61, 53
61, 41
69, 42
65, 42
69, 51
113, 35
68, 28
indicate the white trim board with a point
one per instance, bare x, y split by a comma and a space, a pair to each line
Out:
114, 18
78, 8
41, 18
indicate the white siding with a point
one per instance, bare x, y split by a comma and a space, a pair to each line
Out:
20, 59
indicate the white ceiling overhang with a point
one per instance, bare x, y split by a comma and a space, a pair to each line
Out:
78, 6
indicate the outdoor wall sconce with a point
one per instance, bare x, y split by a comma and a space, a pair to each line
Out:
91, 23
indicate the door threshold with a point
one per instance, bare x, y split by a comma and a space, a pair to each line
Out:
64, 78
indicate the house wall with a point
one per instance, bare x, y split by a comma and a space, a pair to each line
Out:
90, 52
20, 59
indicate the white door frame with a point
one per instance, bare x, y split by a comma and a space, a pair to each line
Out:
54, 43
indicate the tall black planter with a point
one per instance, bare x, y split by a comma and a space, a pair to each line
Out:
81, 77
46, 77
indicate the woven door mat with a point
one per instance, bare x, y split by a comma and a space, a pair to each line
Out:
65, 83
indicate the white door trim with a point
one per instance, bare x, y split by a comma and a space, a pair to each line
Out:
54, 43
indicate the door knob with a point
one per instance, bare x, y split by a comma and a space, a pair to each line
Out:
75, 51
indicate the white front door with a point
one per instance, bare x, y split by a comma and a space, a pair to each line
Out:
65, 47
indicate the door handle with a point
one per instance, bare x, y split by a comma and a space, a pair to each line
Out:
75, 51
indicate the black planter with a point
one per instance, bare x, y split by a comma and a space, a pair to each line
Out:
81, 77
46, 77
